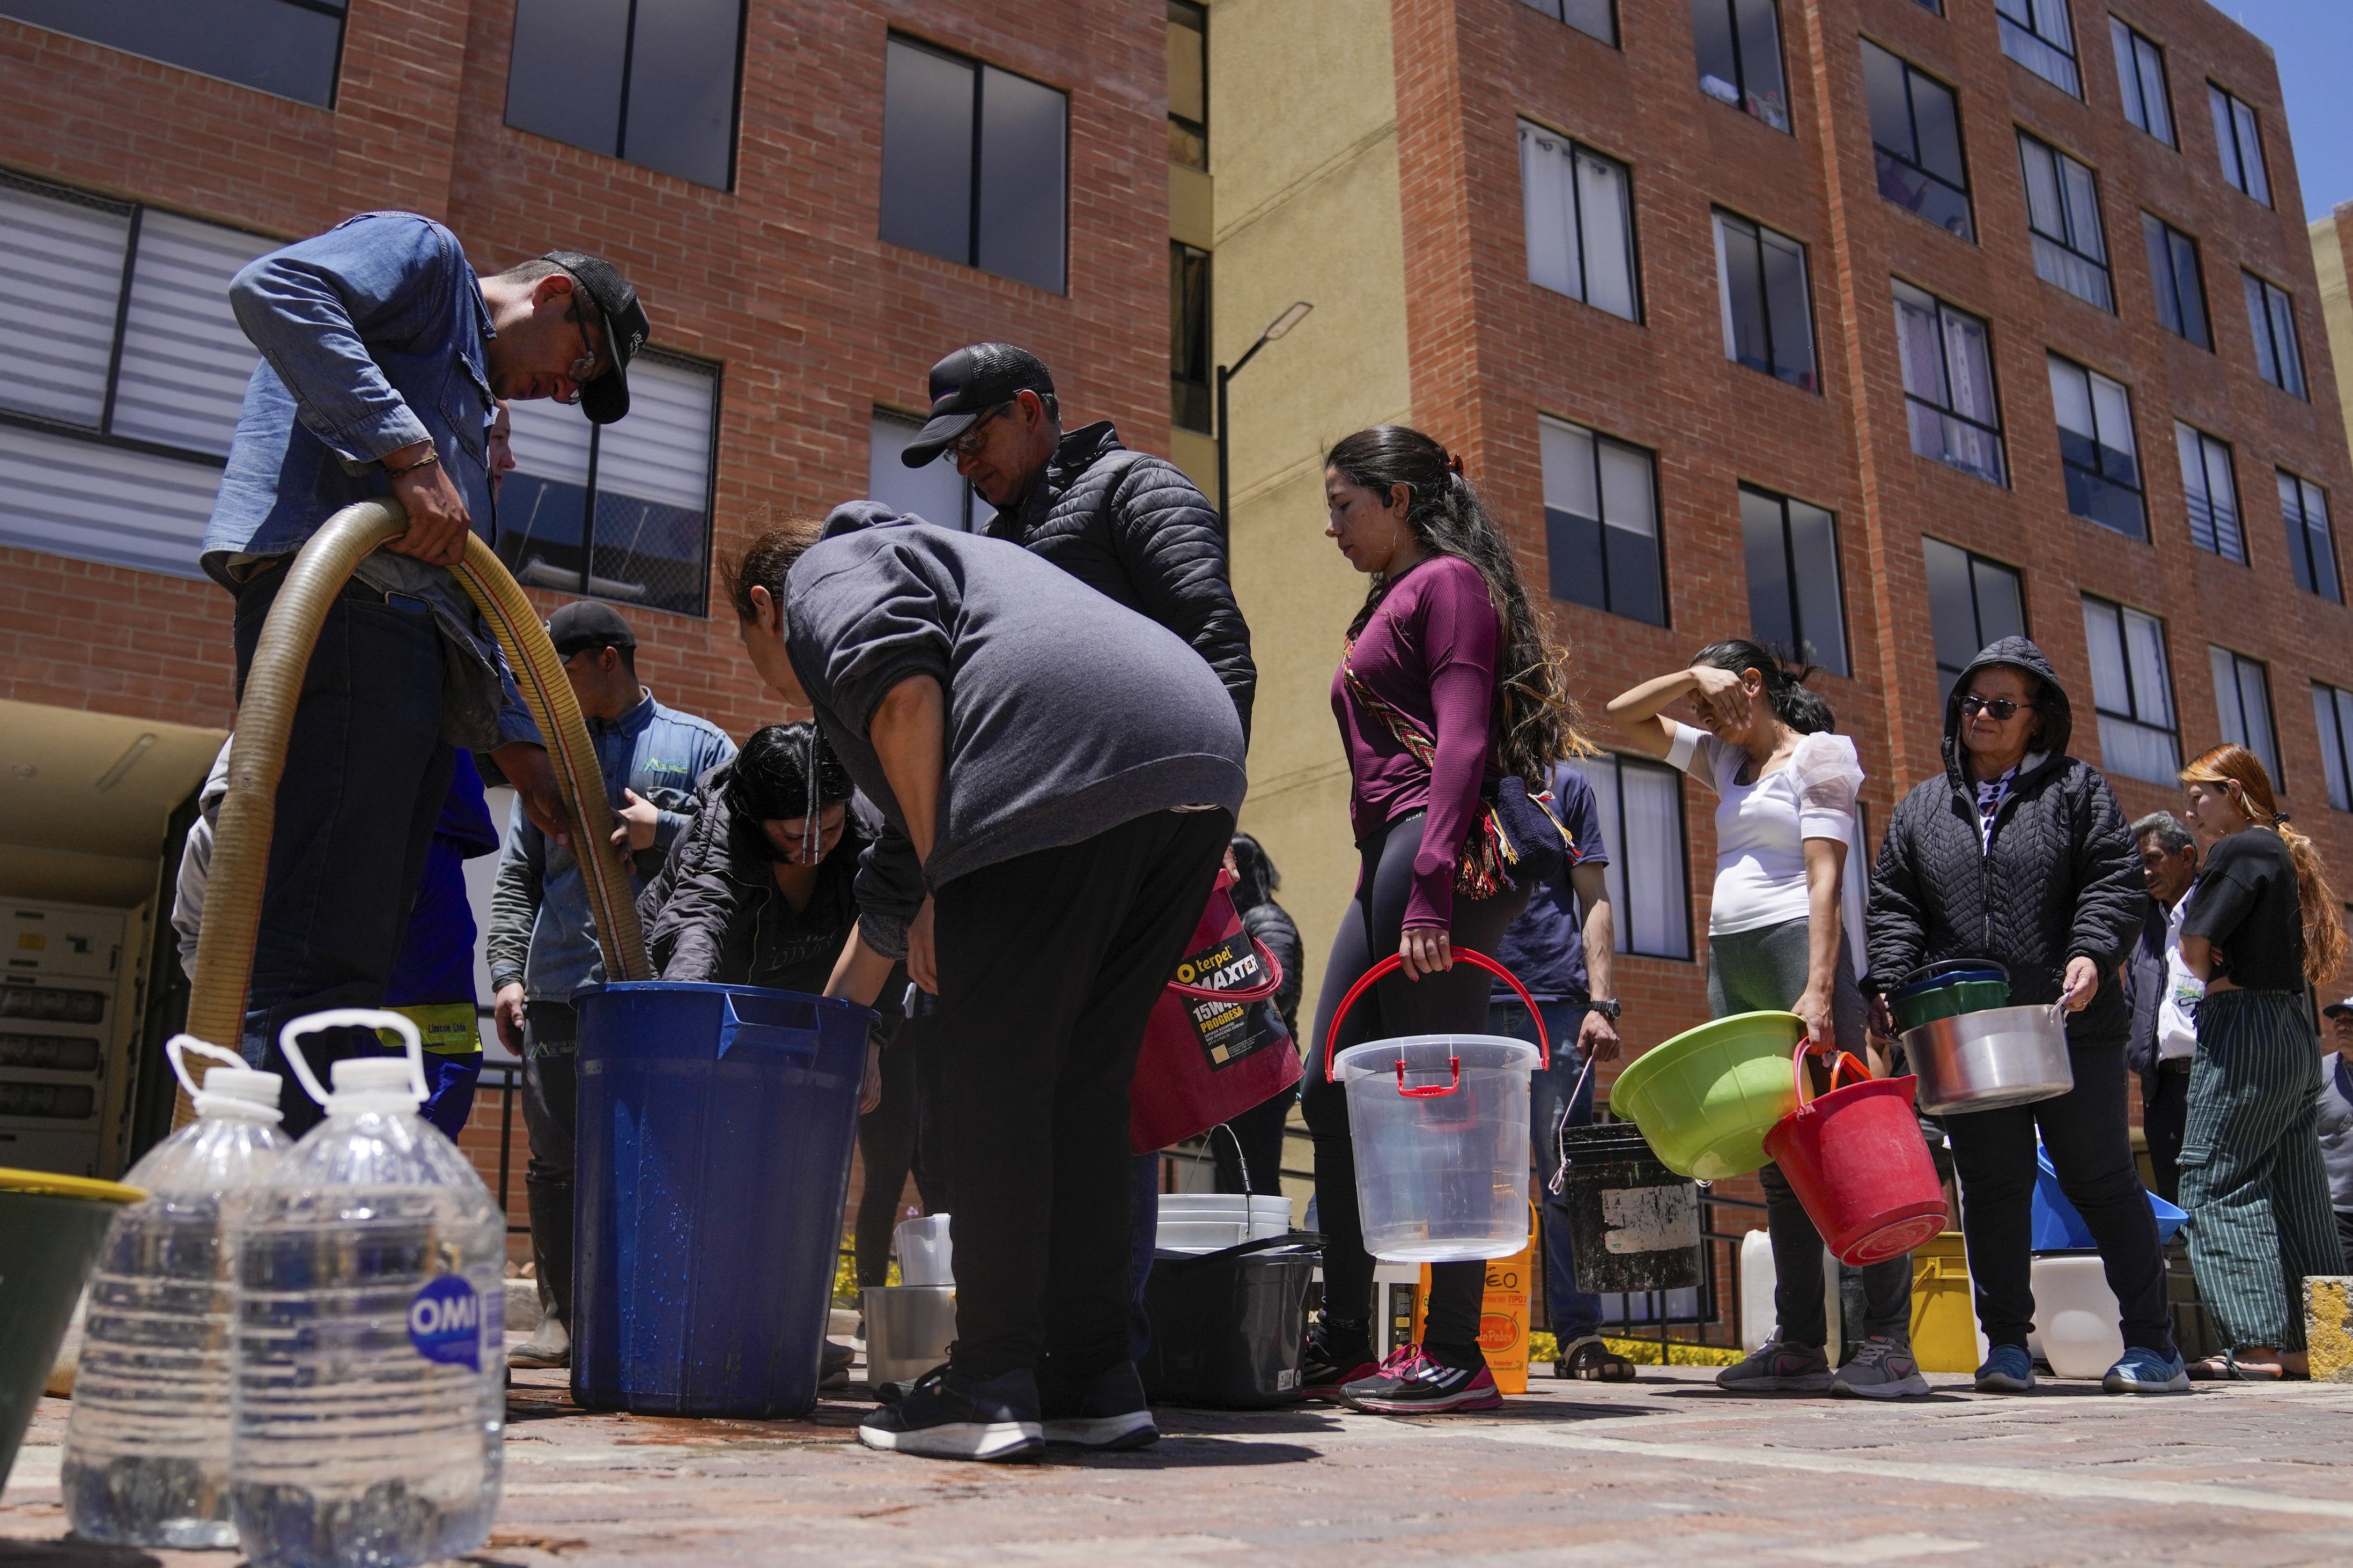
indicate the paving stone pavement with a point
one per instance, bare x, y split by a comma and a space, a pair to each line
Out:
1665, 1471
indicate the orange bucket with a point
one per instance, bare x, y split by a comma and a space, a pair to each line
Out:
1855, 1158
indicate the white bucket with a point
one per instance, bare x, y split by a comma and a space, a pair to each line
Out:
1262, 1215
1440, 1126
2075, 1314
926, 1255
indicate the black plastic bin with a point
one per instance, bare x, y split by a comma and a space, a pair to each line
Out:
1229, 1327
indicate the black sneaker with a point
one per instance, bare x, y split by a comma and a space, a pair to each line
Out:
1105, 1411
1334, 1356
947, 1416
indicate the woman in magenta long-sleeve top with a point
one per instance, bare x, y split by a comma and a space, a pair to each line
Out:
1430, 731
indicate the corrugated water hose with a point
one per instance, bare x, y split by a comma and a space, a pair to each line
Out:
240, 862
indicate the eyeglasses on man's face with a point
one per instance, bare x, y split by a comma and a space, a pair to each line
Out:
969, 445
582, 371
2001, 708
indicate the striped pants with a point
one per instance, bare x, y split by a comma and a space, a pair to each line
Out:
2251, 1177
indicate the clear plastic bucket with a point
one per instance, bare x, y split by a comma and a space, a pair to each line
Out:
1440, 1126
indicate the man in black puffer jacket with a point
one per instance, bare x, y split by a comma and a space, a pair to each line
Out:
2019, 852
1130, 526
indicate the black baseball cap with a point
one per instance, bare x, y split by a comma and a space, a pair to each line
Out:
967, 384
606, 398
584, 624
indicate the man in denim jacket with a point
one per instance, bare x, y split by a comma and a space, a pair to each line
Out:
381, 356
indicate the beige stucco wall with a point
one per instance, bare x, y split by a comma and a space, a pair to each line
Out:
1308, 208
2335, 306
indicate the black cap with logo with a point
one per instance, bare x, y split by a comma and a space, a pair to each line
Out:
585, 624
606, 398
967, 384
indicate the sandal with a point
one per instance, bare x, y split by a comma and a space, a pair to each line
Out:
2225, 1368
1590, 1361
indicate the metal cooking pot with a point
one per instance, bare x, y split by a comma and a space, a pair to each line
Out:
1982, 1061
908, 1327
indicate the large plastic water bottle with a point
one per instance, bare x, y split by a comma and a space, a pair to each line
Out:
370, 1374
146, 1460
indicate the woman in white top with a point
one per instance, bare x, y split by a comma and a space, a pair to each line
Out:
1784, 932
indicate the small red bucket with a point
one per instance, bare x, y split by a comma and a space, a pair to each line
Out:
1856, 1160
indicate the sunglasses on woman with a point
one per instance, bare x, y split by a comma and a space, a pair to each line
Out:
2001, 708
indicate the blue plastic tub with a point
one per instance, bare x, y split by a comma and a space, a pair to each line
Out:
715, 1128
2057, 1228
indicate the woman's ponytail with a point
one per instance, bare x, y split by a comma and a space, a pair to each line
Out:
1795, 703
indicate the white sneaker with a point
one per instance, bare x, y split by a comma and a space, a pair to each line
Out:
549, 1346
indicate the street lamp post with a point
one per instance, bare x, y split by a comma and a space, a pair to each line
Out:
1275, 329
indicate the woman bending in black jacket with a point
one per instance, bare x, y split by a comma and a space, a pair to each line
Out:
2019, 853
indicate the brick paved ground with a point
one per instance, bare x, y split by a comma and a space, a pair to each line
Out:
1665, 1470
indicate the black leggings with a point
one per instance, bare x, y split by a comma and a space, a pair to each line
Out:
886, 1147
1452, 1003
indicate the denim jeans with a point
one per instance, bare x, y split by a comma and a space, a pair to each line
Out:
1570, 1314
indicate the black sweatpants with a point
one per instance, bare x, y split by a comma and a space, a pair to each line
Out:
1452, 1003
886, 1153
1048, 966
2091, 1150
2164, 1117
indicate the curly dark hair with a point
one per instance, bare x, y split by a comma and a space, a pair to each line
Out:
1799, 706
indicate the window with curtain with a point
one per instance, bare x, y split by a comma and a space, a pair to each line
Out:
2270, 316
651, 85
2132, 692
1768, 313
2062, 217
1948, 384
1601, 522
1189, 370
1595, 18
2214, 493
121, 373
1972, 602
2242, 694
1642, 810
2240, 144
1792, 549
618, 511
2140, 77
1188, 84
289, 47
2180, 283
935, 492
1738, 42
2096, 450
975, 164
1915, 136
2311, 551
2332, 709
1580, 210
2038, 35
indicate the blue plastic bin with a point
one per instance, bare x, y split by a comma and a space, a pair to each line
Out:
715, 1127
2057, 1228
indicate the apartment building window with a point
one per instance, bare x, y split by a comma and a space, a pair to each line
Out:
2240, 143
2270, 316
647, 84
1601, 522
289, 47
1188, 84
1580, 222
935, 492
2333, 711
1948, 384
2097, 449
618, 511
1739, 47
2062, 217
2212, 491
1972, 602
1794, 602
2140, 77
1768, 313
1595, 18
974, 165
2310, 549
1642, 810
122, 373
2179, 282
2038, 36
1189, 336
2132, 692
2242, 694
1915, 134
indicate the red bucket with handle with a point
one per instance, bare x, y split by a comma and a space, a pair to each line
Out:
1855, 1158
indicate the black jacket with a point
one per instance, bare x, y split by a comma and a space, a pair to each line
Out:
2144, 989
1272, 926
2059, 879
1133, 528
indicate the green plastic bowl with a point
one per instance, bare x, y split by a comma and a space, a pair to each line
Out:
50, 1228
1705, 1099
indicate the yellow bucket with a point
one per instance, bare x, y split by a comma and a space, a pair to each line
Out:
1944, 1315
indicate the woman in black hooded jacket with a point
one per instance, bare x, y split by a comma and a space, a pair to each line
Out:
2019, 852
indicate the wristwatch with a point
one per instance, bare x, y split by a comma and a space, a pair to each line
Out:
1608, 1010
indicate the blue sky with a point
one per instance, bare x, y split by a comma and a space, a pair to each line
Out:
2314, 41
